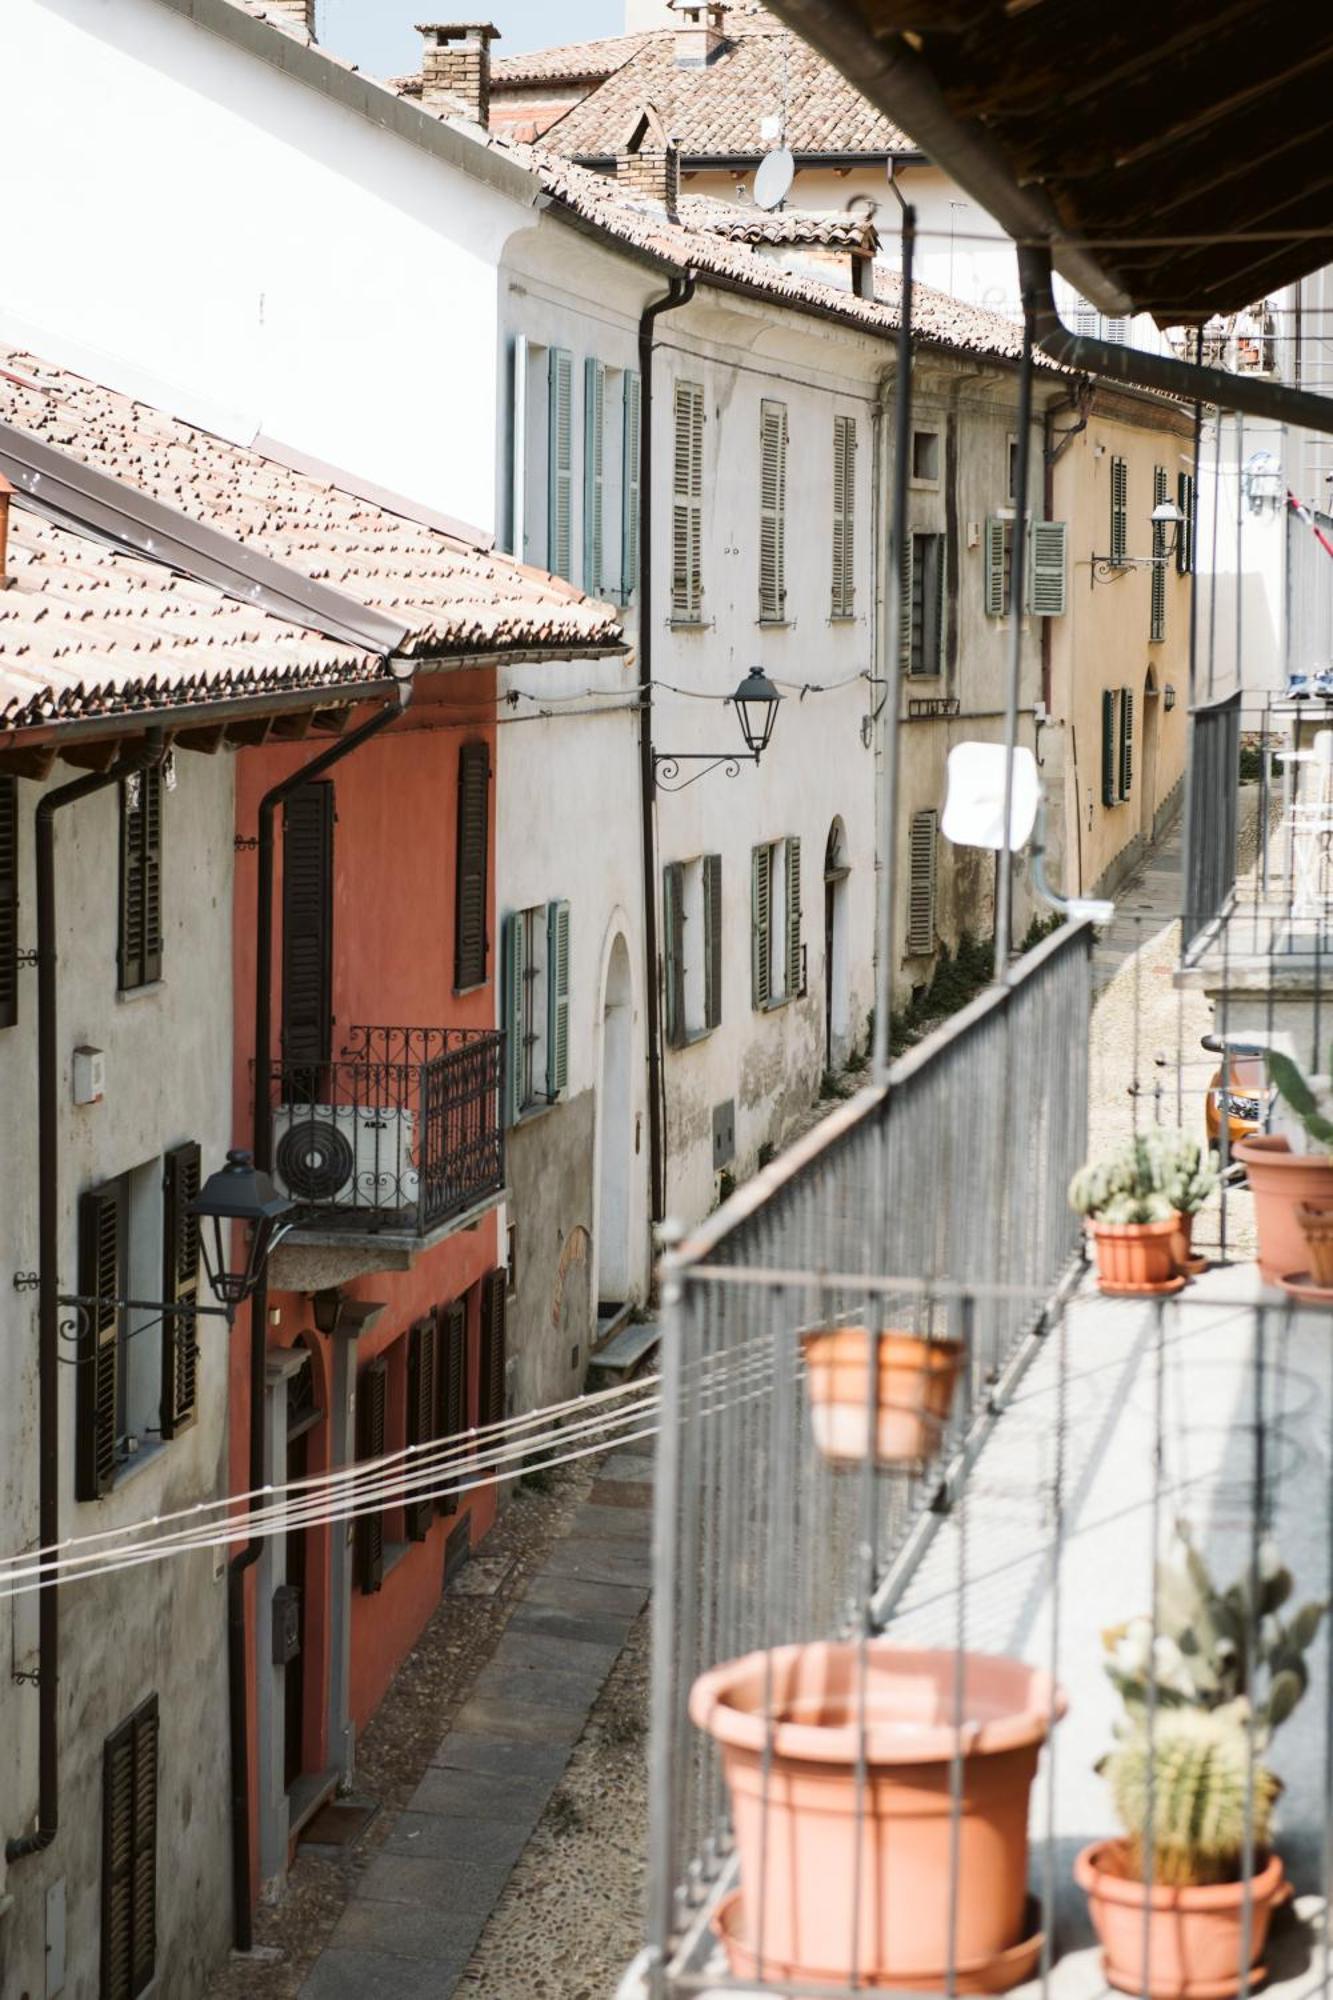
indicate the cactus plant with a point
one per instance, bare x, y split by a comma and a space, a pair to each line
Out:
1186, 1796
1127, 1186
1294, 1089
1191, 1175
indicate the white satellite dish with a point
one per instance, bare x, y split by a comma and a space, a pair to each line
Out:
974, 806
772, 183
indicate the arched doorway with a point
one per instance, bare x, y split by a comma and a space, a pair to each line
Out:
614, 1117
836, 870
1148, 757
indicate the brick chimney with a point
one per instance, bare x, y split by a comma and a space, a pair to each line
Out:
648, 163
701, 31
456, 67
298, 15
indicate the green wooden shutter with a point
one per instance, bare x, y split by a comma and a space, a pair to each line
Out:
687, 504
1186, 501
422, 1343
98, 1345
180, 1287
9, 902
1119, 509
491, 1406
1108, 747
594, 451
997, 581
518, 444
795, 982
772, 510
452, 1386
712, 940
906, 591
1126, 742
307, 924
629, 487
844, 517
1157, 612
560, 463
557, 999
761, 925
513, 1000
472, 866
1047, 568
673, 931
129, 1856
922, 849
139, 956
372, 1389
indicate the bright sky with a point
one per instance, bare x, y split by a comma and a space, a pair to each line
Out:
379, 34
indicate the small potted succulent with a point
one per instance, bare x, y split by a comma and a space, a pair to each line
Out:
913, 1390
1290, 1172
1191, 1792
1191, 1177
1133, 1221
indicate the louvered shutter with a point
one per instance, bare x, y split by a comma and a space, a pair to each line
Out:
560, 463
1126, 742
629, 487
772, 510
557, 999
997, 581
1185, 500
140, 942
513, 1000
422, 1394
712, 940
921, 884
129, 1856
844, 517
1047, 541
761, 925
906, 591
9, 902
307, 925
180, 1287
687, 504
1116, 329
99, 1341
452, 1385
594, 451
518, 444
471, 937
1157, 613
673, 931
371, 1411
1108, 747
1119, 490
491, 1405
794, 980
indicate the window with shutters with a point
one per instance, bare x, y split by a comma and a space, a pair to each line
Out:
535, 1003
372, 1413
594, 476
777, 955
922, 848
692, 930
519, 363
687, 485
1110, 748
1188, 502
560, 463
492, 1392
139, 952
844, 517
926, 648
423, 1402
1119, 510
1157, 610
9, 902
307, 928
129, 1855
1047, 568
999, 553
630, 447
452, 1416
1125, 772
471, 895
772, 512
181, 1177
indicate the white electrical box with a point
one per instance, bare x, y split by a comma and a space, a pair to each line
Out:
89, 1075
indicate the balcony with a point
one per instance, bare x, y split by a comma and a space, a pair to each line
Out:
387, 1149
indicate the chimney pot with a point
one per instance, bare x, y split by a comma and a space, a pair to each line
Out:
5, 491
456, 67
701, 31
648, 162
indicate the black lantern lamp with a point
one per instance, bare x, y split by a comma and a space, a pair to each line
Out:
1167, 520
756, 702
239, 1192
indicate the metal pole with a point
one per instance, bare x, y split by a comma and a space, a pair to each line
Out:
1017, 570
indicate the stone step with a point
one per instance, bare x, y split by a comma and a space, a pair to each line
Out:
624, 1354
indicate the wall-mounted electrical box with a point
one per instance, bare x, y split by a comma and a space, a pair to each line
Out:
89, 1075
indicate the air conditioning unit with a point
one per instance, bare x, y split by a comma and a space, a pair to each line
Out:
345, 1156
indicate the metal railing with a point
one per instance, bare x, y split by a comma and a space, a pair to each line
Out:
955, 1178
1211, 825
400, 1133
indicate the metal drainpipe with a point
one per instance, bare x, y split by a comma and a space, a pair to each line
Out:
48, 1288
679, 293
237, 1689
1017, 573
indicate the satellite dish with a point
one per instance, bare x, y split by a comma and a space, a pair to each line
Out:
974, 807
772, 183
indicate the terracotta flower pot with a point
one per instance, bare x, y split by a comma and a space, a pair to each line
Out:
798, 1835
988, 1975
1194, 1935
1281, 1181
1182, 1248
1317, 1229
1137, 1258
916, 1386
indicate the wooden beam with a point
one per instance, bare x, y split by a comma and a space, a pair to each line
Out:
257, 731
98, 755
291, 728
331, 721
208, 741
36, 763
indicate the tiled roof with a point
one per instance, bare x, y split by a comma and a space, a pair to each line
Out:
829, 230
576, 62
86, 628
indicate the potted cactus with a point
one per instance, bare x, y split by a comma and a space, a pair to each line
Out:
1190, 1179
914, 1384
1132, 1219
1191, 1792
1290, 1172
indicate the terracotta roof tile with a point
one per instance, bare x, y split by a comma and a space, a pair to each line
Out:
829, 229
576, 62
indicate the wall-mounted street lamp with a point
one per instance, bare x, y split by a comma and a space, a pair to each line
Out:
756, 704
1262, 483
1167, 520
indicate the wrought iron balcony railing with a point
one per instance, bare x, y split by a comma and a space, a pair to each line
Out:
400, 1133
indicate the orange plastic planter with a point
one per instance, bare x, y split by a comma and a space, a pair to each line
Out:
1282, 1182
803, 1837
1137, 1259
915, 1391
1194, 1935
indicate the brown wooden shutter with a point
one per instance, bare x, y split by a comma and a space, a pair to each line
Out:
9, 902
452, 1372
491, 1402
139, 955
371, 1400
673, 927
712, 940
129, 1856
921, 883
470, 926
307, 925
98, 1342
422, 1343
180, 1286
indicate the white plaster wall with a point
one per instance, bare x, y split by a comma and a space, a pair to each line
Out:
1242, 636
158, 1628
231, 244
